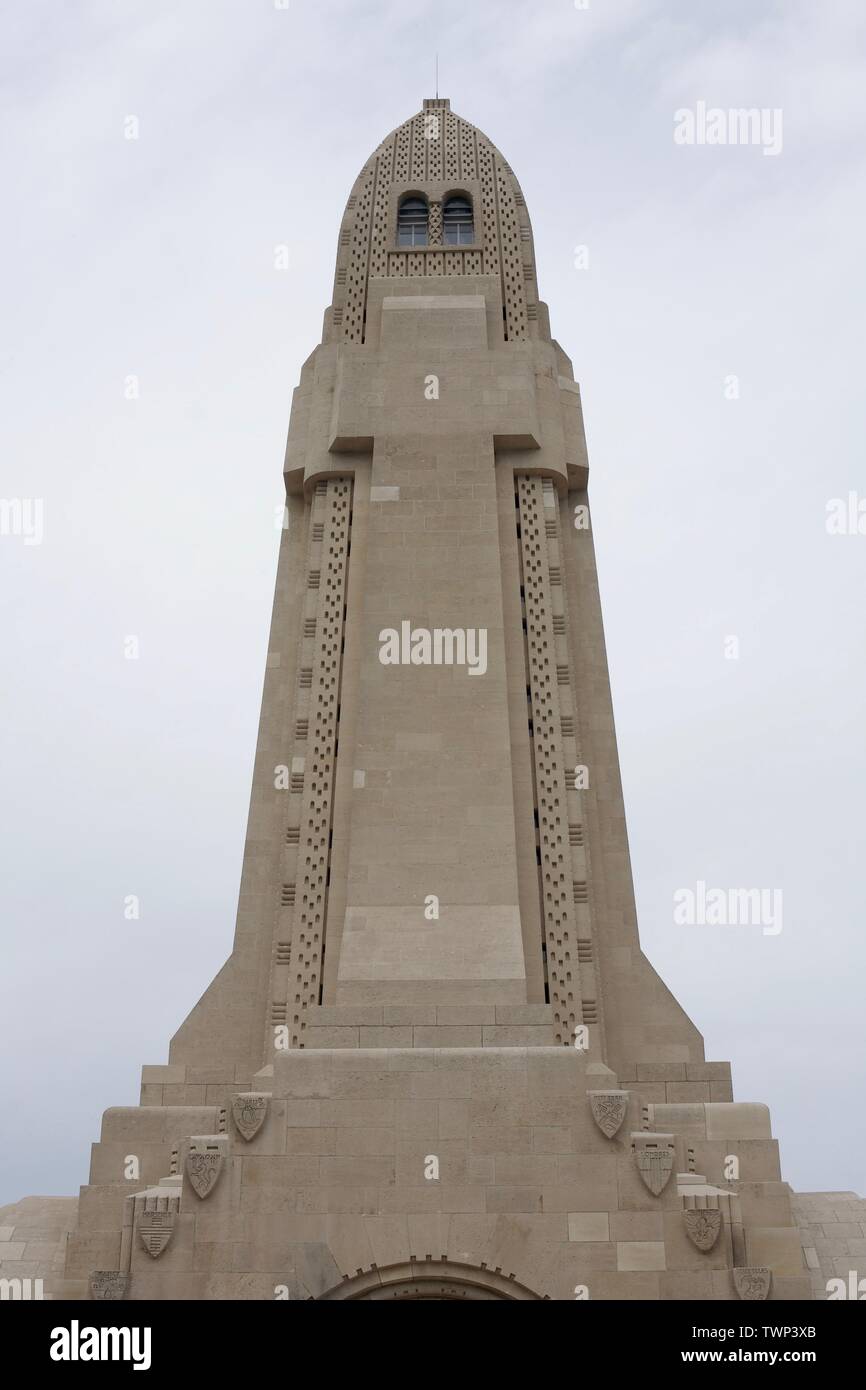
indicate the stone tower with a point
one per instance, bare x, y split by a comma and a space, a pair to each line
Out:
437, 1063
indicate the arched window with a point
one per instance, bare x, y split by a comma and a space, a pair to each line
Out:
457, 225
412, 222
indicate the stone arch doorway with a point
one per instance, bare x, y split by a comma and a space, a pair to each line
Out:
429, 1280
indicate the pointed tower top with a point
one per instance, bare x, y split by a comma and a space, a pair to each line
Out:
443, 166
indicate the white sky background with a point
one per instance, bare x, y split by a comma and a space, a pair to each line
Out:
156, 257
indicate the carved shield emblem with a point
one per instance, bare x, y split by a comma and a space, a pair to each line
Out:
249, 1110
655, 1166
752, 1282
156, 1229
203, 1167
108, 1285
703, 1225
608, 1110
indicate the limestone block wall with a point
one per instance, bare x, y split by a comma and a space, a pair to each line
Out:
337, 1181
33, 1234
833, 1231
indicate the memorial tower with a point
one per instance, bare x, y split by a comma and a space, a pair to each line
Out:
437, 1062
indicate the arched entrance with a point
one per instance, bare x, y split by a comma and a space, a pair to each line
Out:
429, 1280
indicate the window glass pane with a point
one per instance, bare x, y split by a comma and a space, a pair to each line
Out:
457, 220
412, 222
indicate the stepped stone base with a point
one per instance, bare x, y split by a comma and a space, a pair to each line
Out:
434, 1172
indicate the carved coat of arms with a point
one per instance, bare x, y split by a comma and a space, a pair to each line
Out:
609, 1109
752, 1282
249, 1110
155, 1229
655, 1166
108, 1285
703, 1225
203, 1167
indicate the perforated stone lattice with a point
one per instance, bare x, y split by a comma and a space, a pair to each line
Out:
299, 948
557, 883
513, 280
435, 225
309, 925
356, 286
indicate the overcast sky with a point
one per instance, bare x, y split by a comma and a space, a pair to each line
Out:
154, 258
